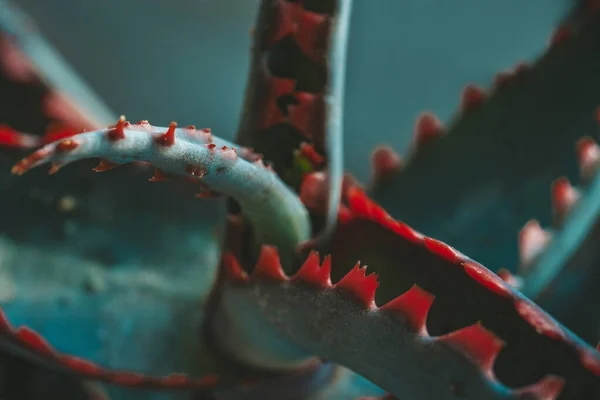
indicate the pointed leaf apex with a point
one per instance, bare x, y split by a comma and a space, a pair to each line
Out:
427, 128
549, 388
360, 285
414, 306
313, 272
478, 343
232, 268
268, 265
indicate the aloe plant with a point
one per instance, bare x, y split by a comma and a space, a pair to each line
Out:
319, 275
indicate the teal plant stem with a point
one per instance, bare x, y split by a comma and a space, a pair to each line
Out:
276, 213
335, 107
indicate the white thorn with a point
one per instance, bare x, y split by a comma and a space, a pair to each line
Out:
588, 154
564, 198
532, 242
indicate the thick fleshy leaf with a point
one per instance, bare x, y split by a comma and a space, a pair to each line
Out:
490, 173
